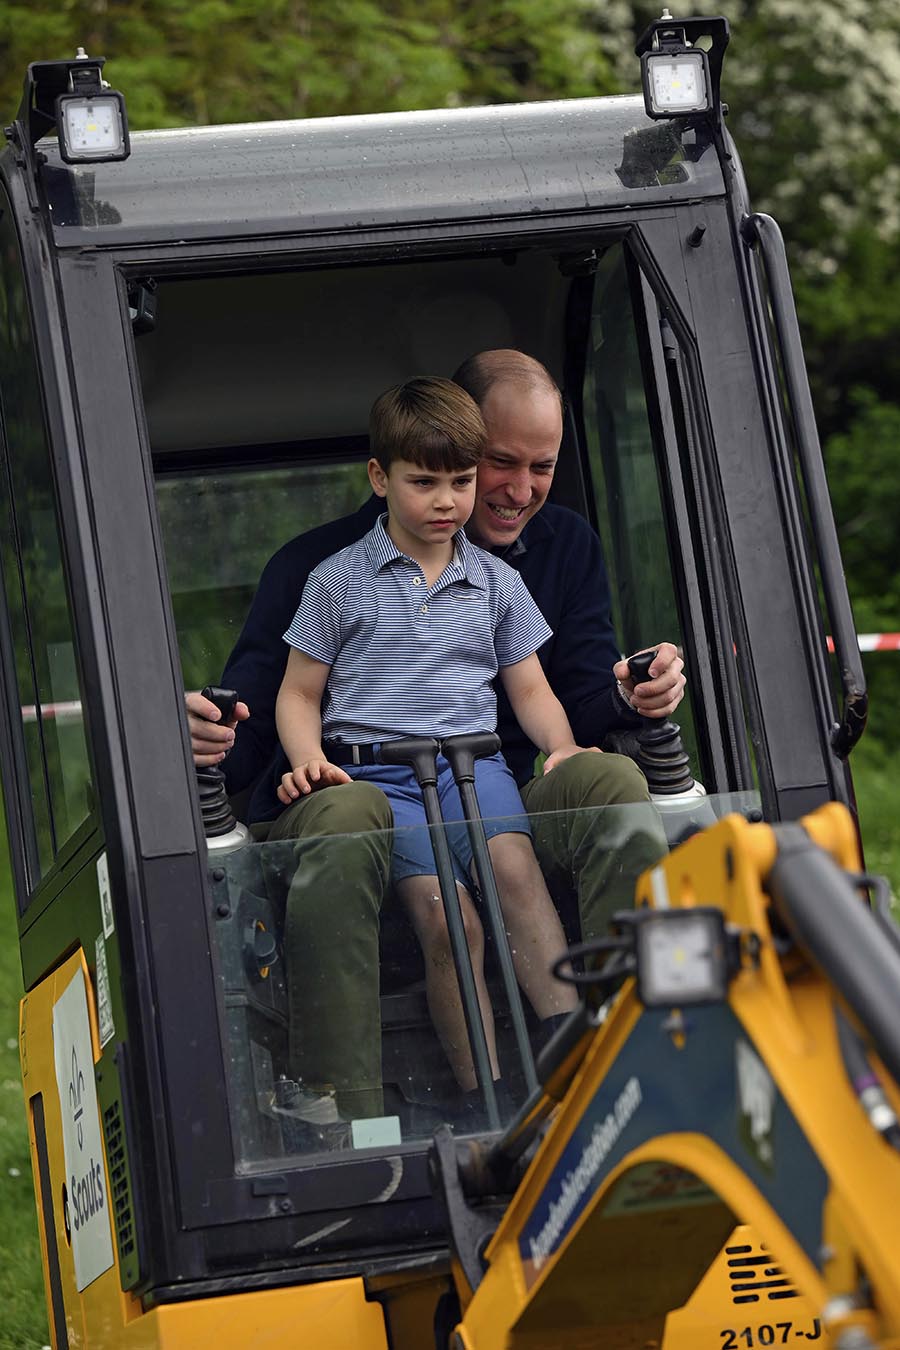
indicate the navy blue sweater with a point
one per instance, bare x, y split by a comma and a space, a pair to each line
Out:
560, 560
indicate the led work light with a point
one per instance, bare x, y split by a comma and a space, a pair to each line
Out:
681, 957
90, 117
681, 65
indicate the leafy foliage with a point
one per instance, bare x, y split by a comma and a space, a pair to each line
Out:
815, 108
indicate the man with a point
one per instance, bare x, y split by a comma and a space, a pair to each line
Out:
332, 923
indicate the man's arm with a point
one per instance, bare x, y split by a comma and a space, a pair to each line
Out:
256, 666
569, 581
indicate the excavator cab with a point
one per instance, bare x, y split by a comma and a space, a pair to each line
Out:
195, 323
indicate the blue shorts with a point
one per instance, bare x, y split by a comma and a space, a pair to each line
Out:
498, 798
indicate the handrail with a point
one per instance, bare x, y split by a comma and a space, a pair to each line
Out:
761, 229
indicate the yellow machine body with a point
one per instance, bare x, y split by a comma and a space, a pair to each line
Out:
676, 1244
598, 1248
102, 1316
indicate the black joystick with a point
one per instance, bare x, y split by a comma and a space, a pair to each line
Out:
661, 755
214, 809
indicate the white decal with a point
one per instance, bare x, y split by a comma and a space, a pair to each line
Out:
106, 908
577, 1183
756, 1093
104, 1002
88, 1202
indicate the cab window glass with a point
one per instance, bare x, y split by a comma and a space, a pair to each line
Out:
220, 529
624, 477
48, 691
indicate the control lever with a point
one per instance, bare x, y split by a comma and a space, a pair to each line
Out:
461, 752
221, 829
661, 753
420, 753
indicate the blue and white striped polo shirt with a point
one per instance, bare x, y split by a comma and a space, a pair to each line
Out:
406, 659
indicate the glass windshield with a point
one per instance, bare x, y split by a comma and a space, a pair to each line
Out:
337, 1039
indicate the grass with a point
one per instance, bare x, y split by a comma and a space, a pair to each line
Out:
23, 1320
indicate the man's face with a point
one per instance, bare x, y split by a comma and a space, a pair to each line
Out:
524, 429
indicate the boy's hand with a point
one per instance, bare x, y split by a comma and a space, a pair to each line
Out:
211, 738
305, 778
566, 751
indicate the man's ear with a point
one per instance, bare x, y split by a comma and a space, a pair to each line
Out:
377, 477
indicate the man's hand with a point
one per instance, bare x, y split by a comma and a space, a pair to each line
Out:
305, 778
660, 695
566, 751
211, 738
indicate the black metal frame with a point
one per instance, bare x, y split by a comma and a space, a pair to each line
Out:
201, 1223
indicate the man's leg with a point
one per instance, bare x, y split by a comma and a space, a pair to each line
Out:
331, 939
599, 853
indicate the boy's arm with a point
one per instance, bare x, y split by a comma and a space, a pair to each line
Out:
538, 711
298, 716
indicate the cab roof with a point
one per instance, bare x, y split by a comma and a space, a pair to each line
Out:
380, 170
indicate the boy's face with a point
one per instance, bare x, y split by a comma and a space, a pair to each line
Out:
425, 506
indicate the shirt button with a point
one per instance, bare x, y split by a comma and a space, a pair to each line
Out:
417, 581
424, 609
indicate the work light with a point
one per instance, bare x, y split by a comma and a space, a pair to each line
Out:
681, 957
681, 66
90, 117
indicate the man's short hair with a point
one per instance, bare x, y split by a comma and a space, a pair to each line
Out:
504, 365
429, 421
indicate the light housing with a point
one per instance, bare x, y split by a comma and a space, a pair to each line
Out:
681, 68
676, 82
682, 956
92, 127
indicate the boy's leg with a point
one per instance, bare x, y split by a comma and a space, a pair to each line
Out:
599, 853
536, 935
422, 898
333, 903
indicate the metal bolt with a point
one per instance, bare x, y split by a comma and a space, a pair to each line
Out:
284, 1206
223, 911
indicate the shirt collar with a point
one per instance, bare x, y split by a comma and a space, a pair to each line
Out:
465, 564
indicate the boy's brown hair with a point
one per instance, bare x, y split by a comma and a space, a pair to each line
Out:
429, 421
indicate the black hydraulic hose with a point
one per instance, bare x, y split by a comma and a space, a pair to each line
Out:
420, 753
823, 910
865, 1082
762, 229
461, 752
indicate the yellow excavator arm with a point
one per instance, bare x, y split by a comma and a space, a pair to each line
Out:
722, 1169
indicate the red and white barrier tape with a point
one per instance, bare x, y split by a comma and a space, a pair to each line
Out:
874, 642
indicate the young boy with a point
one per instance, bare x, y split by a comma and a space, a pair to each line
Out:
402, 634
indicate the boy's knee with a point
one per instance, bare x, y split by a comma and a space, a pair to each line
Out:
513, 859
435, 933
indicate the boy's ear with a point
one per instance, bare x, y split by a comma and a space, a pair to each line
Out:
377, 478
